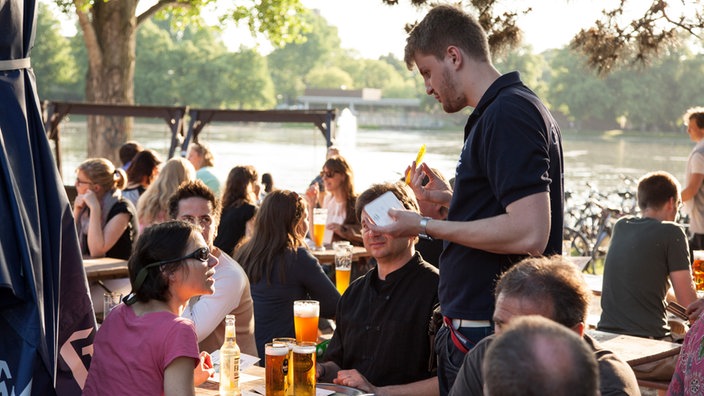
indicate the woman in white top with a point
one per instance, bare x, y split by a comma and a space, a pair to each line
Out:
339, 199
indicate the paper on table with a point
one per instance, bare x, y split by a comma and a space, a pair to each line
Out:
246, 361
378, 209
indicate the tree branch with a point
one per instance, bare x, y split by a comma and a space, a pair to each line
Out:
154, 9
95, 53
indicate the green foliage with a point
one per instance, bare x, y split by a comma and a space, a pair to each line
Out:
188, 64
52, 61
530, 65
292, 62
578, 92
193, 67
329, 77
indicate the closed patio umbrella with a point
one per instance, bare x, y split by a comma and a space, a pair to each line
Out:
46, 319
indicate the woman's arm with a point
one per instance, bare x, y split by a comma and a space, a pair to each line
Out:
317, 284
100, 239
178, 377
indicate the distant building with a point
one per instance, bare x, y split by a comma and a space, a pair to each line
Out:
354, 99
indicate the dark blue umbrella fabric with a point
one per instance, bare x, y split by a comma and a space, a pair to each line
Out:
46, 319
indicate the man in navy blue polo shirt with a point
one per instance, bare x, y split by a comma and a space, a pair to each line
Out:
507, 201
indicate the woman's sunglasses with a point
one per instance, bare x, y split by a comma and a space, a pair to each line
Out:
328, 174
200, 254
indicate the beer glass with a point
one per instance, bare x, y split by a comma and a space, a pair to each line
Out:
343, 266
304, 369
698, 269
110, 301
276, 368
320, 217
305, 320
288, 363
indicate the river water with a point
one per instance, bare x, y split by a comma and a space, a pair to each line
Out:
294, 155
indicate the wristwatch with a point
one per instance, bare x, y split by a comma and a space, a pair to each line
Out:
423, 225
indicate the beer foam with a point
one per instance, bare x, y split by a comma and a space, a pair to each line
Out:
306, 310
277, 350
304, 349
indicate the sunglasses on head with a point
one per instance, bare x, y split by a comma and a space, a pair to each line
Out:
200, 254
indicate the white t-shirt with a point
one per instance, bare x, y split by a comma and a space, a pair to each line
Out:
336, 215
695, 206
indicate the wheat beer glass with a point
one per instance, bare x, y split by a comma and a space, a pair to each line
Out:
343, 266
276, 368
304, 369
320, 217
305, 320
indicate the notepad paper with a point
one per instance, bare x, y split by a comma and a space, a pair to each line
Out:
378, 209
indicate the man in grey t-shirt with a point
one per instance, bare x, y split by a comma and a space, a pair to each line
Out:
645, 251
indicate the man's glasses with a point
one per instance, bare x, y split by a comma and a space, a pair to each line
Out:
200, 254
328, 174
203, 221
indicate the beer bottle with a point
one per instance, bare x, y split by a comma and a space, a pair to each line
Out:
230, 361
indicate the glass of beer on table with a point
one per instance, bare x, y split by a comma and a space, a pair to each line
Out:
276, 368
343, 265
320, 218
305, 320
288, 363
698, 269
304, 369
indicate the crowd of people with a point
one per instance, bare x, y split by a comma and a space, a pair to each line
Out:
466, 291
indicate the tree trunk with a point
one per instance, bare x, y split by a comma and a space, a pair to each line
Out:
111, 41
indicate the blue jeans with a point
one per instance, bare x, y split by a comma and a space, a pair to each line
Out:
449, 357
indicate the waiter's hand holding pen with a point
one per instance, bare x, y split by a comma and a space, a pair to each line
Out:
436, 190
419, 160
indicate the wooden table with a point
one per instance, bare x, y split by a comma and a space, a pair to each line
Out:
579, 261
327, 256
98, 269
595, 283
635, 350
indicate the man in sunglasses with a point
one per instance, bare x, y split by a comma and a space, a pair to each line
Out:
195, 202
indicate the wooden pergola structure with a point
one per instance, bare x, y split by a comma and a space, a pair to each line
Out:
175, 118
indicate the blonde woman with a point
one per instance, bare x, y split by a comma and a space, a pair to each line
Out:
105, 221
153, 206
203, 161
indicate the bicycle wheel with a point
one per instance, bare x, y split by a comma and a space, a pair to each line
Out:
579, 246
599, 252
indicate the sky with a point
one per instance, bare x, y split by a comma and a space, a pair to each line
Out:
373, 28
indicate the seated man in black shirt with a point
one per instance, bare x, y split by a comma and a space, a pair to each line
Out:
381, 343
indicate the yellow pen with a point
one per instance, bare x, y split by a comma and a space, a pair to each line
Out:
419, 160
